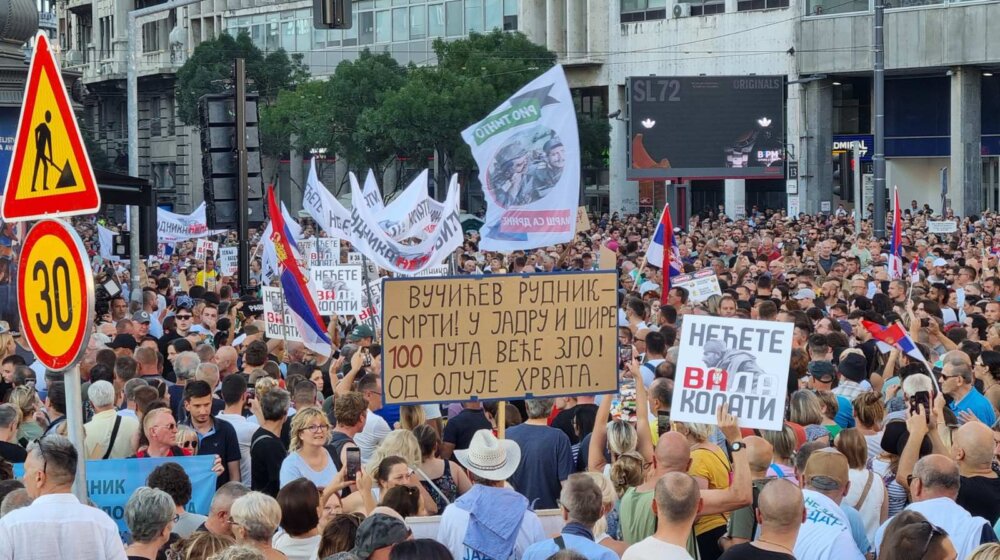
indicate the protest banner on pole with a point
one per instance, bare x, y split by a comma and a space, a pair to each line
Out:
946, 226
277, 320
338, 289
204, 248
228, 262
327, 252
737, 362
439, 270
371, 311
499, 337
700, 285
111, 482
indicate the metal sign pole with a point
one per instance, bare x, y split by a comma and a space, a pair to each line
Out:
74, 425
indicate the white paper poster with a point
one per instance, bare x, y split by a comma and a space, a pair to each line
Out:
700, 286
736, 362
371, 313
204, 248
338, 289
327, 252
528, 151
277, 320
228, 261
946, 226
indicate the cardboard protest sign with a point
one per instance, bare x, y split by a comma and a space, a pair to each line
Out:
737, 362
582, 220
700, 286
608, 259
327, 252
228, 262
499, 337
946, 226
338, 289
204, 248
277, 320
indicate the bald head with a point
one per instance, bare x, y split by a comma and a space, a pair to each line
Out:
973, 445
678, 498
225, 358
760, 453
938, 476
780, 504
673, 453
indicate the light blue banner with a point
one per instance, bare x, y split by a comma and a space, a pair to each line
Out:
111, 482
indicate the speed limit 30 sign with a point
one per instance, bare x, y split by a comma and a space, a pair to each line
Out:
55, 291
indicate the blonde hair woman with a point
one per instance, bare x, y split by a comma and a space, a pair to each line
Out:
711, 467
26, 400
400, 444
989, 551
255, 518
307, 457
411, 416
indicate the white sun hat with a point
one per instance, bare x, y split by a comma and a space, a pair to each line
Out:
490, 458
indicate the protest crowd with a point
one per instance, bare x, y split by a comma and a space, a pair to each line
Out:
889, 444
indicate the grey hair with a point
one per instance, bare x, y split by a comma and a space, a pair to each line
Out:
101, 393
539, 408
238, 552
207, 371
226, 495
274, 404
932, 477
258, 513
147, 512
917, 382
15, 500
9, 415
60, 458
185, 365
583, 499
130, 386
959, 362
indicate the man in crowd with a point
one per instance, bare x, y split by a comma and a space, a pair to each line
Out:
459, 430
109, 436
779, 515
547, 458
215, 436
826, 532
581, 503
234, 394
218, 521
266, 449
957, 381
676, 505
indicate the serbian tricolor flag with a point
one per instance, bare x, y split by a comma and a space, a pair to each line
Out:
294, 285
894, 336
914, 271
896, 240
663, 249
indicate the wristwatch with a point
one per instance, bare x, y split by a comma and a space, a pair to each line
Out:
737, 446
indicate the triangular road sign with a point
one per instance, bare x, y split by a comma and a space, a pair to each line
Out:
50, 173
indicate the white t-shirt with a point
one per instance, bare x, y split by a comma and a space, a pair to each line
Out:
871, 509
244, 433
826, 533
455, 521
652, 548
376, 428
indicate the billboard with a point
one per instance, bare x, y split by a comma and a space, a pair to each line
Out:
706, 127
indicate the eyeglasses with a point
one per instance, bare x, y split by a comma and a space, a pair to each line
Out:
315, 428
189, 443
171, 427
935, 531
183, 317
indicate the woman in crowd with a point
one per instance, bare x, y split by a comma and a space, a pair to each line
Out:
783, 446
149, 516
987, 369
404, 500
869, 412
255, 517
444, 480
390, 472
709, 465
909, 536
307, 455
806, 410
202, 545
830, 407
339, 534
26, 400
299, 537
867, 492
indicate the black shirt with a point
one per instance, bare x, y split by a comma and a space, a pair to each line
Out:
266, 456
460, 429
12, 453
564, 421
222, 442
747, 551
980, 496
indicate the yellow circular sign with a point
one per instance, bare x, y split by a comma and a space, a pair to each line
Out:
55, 294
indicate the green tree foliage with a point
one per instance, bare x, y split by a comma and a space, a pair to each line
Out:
210, 70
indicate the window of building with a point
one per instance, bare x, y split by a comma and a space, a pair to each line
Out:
84, 35
435, 20
366, 28
383, 26
510, 15
151, 37
493, 13
350, 36
272, 38
400, 25
474, 16
154, 117
455, 26
106, 28
708, 8
418, 22
746, 5
852, 106
826, 7
168, 111
642, 10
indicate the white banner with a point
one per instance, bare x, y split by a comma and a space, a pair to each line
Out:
736, 362
277, 320
327, 252
228, 263
106, 239
946, 226
204, 248
324, 208
700, 286
528, 153
171, 228
338, 289
412, 214
439, 270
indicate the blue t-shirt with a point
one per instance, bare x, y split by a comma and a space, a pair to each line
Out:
294, 467
977, 404
845, 413
546, 461
587, 548
857, 528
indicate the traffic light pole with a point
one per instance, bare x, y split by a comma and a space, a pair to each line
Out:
243, 216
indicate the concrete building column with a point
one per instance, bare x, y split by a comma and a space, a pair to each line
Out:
531, 20
296, 174
576, 29
597, 28
965, 174
555, 22
624, 195
816, 145
736, 198
340, 170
